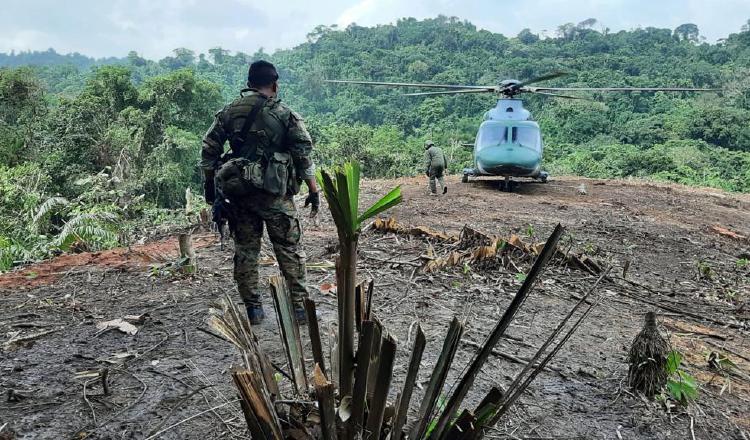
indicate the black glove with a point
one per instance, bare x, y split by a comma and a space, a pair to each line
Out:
313, 199
209, 190
427, 173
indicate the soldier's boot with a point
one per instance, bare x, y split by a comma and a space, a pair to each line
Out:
255, 314
445, 190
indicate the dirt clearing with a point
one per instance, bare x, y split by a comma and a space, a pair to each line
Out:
679, 251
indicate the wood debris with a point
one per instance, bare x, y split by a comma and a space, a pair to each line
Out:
727, 232
290, 334
361, 409
119, 324
476, 248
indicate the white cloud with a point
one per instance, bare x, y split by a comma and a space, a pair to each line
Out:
25, 39
154, 28
363, 9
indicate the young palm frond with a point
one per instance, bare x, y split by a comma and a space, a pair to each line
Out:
46, 208
342, 193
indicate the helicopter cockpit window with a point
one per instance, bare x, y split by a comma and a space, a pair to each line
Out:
527, 136
492, 135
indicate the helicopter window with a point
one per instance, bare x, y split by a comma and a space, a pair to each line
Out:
491, 135
527, 136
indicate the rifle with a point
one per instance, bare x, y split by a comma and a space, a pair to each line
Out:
221, 210
217, 216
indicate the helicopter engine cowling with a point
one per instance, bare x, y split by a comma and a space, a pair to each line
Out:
508, 110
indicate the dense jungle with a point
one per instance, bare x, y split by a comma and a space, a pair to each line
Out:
93, 150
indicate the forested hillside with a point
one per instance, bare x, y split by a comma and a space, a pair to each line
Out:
89, 144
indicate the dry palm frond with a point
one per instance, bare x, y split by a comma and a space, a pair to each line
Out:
225, 320
390, 225
471, 238
648, 359
477, 248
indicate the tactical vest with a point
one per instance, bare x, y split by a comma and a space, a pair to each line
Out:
256, 162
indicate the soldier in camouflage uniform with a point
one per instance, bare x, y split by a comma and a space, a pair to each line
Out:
435, 165
275, 128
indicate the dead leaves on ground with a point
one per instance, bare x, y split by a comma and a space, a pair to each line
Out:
475, 248
124, 324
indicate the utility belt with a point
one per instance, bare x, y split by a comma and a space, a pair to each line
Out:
273, 173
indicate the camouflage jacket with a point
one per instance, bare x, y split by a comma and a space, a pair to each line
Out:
276, 128
435, 158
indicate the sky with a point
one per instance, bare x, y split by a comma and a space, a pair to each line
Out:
153, 28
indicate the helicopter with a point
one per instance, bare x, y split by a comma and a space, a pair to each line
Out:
509, 142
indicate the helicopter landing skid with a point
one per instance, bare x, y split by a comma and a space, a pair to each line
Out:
507, 185
468, 172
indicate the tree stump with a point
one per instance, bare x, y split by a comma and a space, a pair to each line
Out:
188, 261
648, 359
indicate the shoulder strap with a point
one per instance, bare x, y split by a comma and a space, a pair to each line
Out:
239, 139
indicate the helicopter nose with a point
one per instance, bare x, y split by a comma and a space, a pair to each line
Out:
499, 159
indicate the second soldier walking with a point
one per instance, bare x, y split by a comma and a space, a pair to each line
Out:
435, 166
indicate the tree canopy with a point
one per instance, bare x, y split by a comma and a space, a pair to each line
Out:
122, 135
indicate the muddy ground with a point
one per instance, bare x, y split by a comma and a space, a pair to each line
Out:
685, 251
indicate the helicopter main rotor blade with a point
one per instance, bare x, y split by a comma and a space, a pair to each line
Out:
393, 84
453, 92
540, 78
558, 95
618, 89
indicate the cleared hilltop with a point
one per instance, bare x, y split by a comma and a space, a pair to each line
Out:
687, 248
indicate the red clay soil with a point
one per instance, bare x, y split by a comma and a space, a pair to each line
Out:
134, 257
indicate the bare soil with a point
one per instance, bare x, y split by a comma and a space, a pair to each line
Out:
685, 250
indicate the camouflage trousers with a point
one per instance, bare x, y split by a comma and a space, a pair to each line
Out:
280, 218
436, 174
